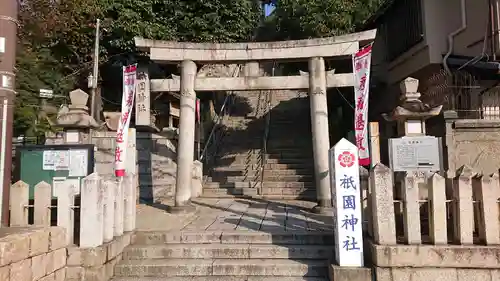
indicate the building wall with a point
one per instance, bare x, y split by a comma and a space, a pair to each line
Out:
475, 143
440, 18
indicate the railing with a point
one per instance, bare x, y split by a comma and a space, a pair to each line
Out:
462, 92
265, 138
213, 140
91, 216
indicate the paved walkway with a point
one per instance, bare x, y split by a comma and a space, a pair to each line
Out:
236, 215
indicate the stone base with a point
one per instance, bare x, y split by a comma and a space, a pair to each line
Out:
338, 273
324, 207
96, 264
179, 210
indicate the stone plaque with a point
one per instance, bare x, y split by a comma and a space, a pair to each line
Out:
419, 153
143, 100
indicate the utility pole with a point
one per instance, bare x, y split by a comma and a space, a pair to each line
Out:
8, 41
93, 78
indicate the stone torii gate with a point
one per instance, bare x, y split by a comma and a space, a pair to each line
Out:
317, 81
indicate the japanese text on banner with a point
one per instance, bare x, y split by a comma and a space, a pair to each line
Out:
129, 87
361, 65
349, 231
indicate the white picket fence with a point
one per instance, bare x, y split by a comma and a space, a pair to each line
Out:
107, 207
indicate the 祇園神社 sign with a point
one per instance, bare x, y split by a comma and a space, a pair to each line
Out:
129, 87
344, 174
361, 62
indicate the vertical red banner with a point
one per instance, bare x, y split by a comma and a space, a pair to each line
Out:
129, 86
361, 65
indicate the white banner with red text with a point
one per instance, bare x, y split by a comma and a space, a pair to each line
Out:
361, 65
129, 81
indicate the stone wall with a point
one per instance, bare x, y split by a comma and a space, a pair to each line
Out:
473, 142
32, 254
436, 262
95, 264
156, 154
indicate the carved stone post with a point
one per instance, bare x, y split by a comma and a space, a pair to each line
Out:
185, 150
320, 135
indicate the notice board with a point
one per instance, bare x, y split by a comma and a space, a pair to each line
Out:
52, 163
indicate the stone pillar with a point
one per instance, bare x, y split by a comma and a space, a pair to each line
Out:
252, 68
320, 135
450, 162
374, 143
185, 149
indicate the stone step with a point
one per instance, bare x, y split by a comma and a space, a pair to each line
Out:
228, 251
215, 192
256, 160
281, 153
291, 142
229, 172
268, 177
270, 156
242, 167
253, 184
221, 267
300, 192
279, 145
269, 194
285, 150
232, 237
221, 278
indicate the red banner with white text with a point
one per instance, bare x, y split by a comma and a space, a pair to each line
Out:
361, 65
129, 81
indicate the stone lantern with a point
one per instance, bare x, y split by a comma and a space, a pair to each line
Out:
75, 119
412, 113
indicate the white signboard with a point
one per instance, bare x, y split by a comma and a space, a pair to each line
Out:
58, 183
2, 45
61, 160
344, 173
48, 160
418, 153
78, 163
44, 93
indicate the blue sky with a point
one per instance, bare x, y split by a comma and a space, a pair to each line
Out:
268, 9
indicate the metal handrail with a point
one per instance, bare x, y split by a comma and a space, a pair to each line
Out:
216, 123
266, 133
219, 117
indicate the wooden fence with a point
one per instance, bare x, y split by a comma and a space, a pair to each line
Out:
101, 210
419, 208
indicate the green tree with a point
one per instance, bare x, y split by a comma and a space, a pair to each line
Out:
300, 19
56, 40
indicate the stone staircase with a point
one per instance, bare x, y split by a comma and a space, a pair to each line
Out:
288, 169
226, 256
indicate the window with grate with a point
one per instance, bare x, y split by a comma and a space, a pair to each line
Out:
403, 26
